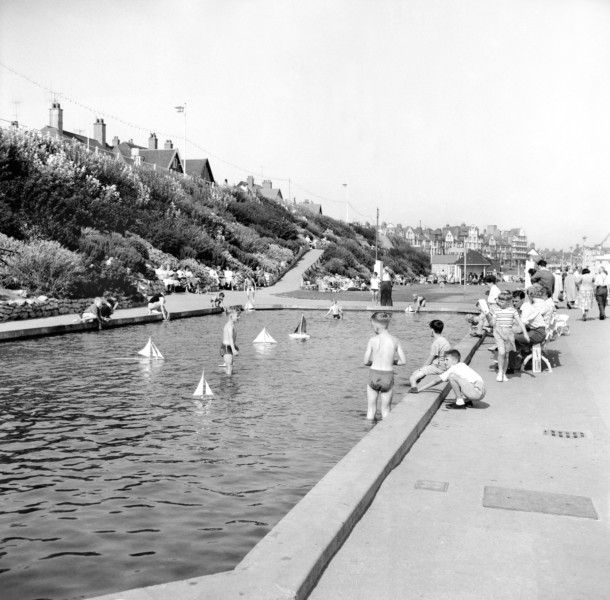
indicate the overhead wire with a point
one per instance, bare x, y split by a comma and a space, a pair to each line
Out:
100, 113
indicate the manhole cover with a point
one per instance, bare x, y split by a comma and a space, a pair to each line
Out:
435, 486
542, 502
564, 434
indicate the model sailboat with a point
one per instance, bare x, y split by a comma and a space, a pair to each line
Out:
203, 389
300, 333
150, 350
264, 337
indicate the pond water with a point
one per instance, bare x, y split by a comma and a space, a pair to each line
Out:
113, 476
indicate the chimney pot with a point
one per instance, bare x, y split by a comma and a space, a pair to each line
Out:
99, 132
168, 145
56, 117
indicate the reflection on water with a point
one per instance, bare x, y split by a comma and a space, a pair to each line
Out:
113, 476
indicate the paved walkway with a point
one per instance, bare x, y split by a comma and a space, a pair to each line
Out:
425, 544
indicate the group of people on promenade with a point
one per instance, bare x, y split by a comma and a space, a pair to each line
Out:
518, 320
577, 287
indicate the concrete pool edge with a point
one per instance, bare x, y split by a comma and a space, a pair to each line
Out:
22, 333
288, 561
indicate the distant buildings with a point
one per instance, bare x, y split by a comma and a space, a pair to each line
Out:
266, 189
506, 248
150, 156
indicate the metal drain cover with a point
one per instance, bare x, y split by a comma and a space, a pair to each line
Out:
564, 434
435, 486
541, 502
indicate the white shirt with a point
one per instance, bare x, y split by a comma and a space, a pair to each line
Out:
494, 292
374, 283
531, 314
386, 276
601, 279
462, 370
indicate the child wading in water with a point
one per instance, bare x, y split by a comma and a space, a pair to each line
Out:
379, 355
229, 348
504, 318
467, 384
335, 310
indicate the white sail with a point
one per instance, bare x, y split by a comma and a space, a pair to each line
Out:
150, 350
264, 337
155, 353
203, 389
146, 350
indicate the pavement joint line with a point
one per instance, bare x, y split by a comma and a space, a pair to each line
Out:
287, 563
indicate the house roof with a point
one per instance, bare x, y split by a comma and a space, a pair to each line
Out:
160, 158
309, 206
269, 193
69, 135
199, 167
443, 259
473, 259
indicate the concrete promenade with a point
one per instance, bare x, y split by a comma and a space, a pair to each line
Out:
418, 541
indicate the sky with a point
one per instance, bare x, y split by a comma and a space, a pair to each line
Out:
435, 111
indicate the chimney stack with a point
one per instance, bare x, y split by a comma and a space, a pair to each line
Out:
152, 141
267, 184
99, 132
115, 141
250, 181
168, 145
56, 117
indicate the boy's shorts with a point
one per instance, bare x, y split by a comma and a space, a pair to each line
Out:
470, 390
381, 381
505, 339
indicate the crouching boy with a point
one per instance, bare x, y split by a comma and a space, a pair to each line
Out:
467, 384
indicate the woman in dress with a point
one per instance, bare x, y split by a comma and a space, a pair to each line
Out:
585, 292
569, 289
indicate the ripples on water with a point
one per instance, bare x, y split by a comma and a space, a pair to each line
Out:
113, 476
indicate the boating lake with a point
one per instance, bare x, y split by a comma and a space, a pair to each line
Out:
114, 476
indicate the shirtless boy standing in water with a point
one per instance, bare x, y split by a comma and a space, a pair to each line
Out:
379, 356
229, 349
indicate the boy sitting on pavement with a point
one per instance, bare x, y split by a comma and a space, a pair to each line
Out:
435, 364
93, 314
156, 304
379, 355
467, 384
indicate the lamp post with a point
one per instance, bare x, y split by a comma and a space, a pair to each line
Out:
182, 109
346, 203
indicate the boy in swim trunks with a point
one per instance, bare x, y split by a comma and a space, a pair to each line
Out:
229, 349
379, 355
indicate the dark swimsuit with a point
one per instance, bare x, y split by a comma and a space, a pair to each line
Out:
224, 349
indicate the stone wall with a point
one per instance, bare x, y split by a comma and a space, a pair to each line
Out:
36, 308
